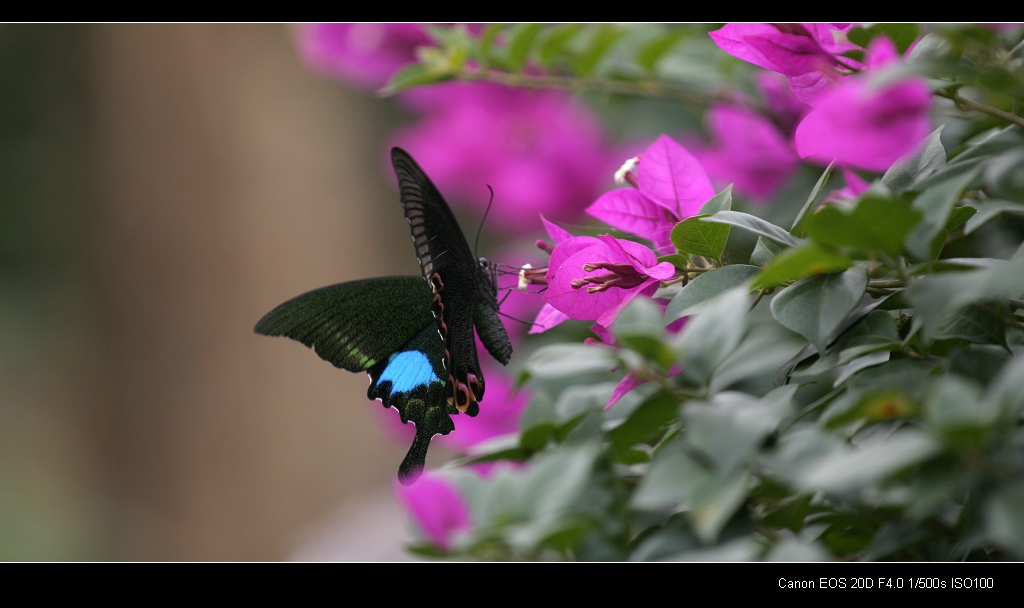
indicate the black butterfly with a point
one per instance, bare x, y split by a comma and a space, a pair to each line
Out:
390, 326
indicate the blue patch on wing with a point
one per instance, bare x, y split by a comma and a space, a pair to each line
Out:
407, 370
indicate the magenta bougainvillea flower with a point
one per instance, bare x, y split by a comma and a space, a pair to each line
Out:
549, 316
808, 54
596, 280
632, 381
782, 104
366, 54
748, 151
538, 150
787, 48
855, 186
866, 124
541, 151
437, 508
669, 185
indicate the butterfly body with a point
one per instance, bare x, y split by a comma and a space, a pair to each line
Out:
412, 335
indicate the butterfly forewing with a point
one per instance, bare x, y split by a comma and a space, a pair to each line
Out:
435, 233
463, 293
353, 325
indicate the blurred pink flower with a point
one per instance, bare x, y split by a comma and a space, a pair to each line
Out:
864, 125
780, 100
808, 54
669, 185
748, 151
632, 379
367, 54
855, 186
597, 279
790, 49
541, 151
436, 507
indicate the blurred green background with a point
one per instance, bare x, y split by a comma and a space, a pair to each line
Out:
161, 188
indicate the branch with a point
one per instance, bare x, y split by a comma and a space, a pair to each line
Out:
965, 104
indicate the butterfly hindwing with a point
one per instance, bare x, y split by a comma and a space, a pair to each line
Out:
412, 381
464, 293
381, 326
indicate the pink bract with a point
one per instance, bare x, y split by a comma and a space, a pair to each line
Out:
862, 124
437, 508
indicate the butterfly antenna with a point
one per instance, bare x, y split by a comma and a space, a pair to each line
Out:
517, 320
476, 242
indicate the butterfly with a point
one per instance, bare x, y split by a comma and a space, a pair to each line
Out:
412, 335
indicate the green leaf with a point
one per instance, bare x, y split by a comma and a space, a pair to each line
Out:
936, 202
954, 408
556, 41
764, 251
415, 75
990, 210
640, 328
799, 262
754, 224
729, 430
602, 38
903, 35
715, 503
719, 202
520, 42
906, 172
752, 365
562, 360
790, 514
671, 481
1003, 523
554, 480
658, 46
536, 437
801, 217
973, 325
678, 260
1005, 390
486, 43
792, 550
712, 334
648, 420
869, 406
707, 286
815, 307
671, 539
959, 216
700, 238
985, 146
874, 224
850, 468
938, 298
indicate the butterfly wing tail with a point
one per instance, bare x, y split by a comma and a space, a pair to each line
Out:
415, 459
435, 421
